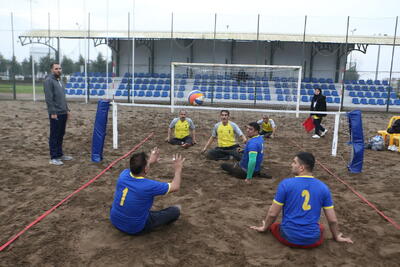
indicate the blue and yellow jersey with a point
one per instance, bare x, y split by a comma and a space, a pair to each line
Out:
182, 127
133, 199
253, 145
226, 133
267, 127
302, 199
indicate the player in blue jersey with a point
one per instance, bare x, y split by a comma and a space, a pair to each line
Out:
302, 198
253, 155
134, 195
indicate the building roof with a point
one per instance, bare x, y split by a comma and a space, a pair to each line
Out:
317, 38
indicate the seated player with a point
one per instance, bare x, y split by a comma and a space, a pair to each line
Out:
182, 126
134, 196
301, 198
268, 127
224, 131
253, 155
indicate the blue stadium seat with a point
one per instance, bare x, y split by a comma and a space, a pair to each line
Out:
243, 97
370, 82
286, 91
71, 91
380, 102
303, 92
278, 85
305, 99
250, 90
150, 94
316, 85
235, 96
285, 85
355, 101
279, 98
141, 93
79, 80
104, 86
91, 86
76, 85
93, 92
377, 82
368, 94
393, 95
364, 88
267, 97
377, 95
329, 99
266, 91
360, 94
371, 101
321, 80
101, 92
156, 94
381, 89
265, 84
385, 82
227, 89
329, 81
372, 88
227, 96
334, 93
146, 81
79, 92
349, 87
218, 89
314, 80
259, 97
164, 94
397, 102
250, 97
235, 89
332, 87
310, 92
306, 80
181, 88
364, 101
384, 95
218, 96
72, 80
167, 88
362, 82
357, 88
352, 94
327, 93
242, 90
324, 86
337, 100
69, 85
151, 87
308, 86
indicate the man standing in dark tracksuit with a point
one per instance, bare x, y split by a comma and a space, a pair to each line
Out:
58, 114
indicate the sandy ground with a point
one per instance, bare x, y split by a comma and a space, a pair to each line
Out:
217, 208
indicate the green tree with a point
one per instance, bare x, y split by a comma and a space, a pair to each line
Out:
68, 65
15, 66
4, 63
45, 62
352, 73
99, 65
27, 67
79, 63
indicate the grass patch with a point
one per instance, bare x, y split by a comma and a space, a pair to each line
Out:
22, 88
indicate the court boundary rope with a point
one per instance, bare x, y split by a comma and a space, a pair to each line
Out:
390, 220
41, 217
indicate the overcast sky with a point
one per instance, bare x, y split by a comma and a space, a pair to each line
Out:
368, 17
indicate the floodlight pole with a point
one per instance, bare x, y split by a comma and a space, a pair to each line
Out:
391, 65
345, 64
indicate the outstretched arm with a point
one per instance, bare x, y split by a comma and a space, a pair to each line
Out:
169, 135
271, 217
333, 226
251, 165
210, 140
178, 165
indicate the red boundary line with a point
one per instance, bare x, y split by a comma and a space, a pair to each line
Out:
76, 191
395, 224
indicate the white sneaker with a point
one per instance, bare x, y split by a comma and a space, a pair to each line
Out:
316, 136
65, 157
56, 162
324, 132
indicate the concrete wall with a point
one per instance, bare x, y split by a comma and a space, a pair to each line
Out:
286, 53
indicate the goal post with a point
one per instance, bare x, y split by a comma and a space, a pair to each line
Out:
237, 85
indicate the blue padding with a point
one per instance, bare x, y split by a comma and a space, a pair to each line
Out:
100, 129
356, 140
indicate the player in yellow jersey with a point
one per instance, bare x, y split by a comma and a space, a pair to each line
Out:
225, 132
183, 126
268, 127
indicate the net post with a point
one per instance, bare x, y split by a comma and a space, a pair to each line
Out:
298, 92
335, 135
115, 124
172, 86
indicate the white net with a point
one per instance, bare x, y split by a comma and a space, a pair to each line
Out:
229, 85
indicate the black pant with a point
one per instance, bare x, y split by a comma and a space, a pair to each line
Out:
57, 131
266, 134
236, 171
224, 153
159, 218
318, 127
185, 140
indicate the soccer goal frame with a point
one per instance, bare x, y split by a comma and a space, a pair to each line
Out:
174, 65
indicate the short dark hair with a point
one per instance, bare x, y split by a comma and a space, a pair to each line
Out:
306, 159
138, 162
255, 125
224, 110
52, 64
319, 89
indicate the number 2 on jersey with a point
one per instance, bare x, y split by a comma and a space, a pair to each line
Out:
306, 196
124, 193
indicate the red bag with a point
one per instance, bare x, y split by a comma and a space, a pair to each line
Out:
308, 124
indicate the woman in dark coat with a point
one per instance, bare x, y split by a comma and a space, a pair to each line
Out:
318, 103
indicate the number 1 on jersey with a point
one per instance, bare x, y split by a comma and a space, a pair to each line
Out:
306, 196
124, 193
